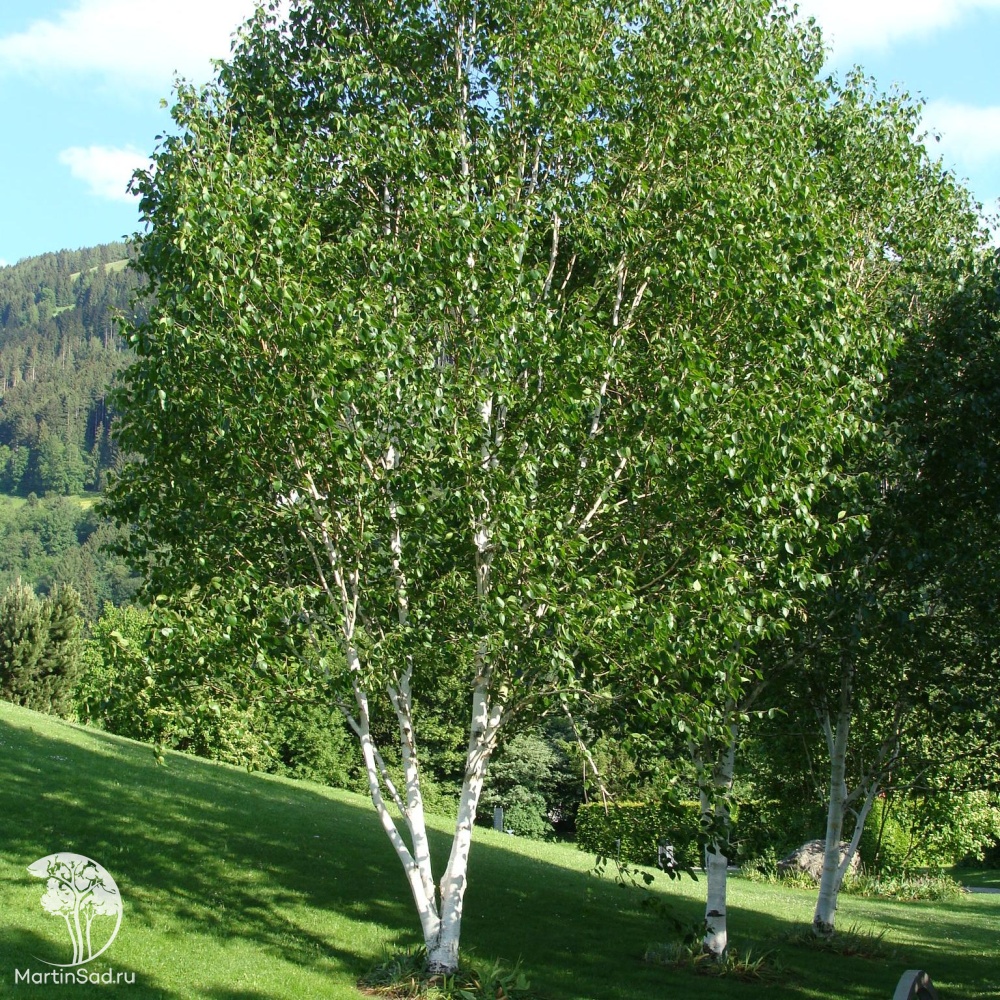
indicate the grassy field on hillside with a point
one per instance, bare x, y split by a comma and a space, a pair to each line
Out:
11, 503
248, 887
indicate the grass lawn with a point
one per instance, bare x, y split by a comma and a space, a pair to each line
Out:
247, 887
985, 878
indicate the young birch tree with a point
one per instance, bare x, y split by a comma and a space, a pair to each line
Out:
917, 238
789, 395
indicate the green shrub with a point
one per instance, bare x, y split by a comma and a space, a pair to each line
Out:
906, 834
761, 867
775, 826
885, 846
310, 742
632, 831
521, 778
116, 685
903, 887
123, 691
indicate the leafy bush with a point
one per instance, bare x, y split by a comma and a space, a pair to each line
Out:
906, 834
126, 691
903, 887
115, 683
775, 826
632, 831
885, 845
520, 778
761, 868
310, 742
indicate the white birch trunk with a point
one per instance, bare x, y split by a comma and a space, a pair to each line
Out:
414, 811
825, 915
716, 939
716, 931
442, 951
417, 874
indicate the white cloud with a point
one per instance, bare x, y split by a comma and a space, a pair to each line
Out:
136, 42
853, 26
3, 263
106, 171
969, 136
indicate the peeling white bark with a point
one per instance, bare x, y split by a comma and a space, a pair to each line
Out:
442, 954
716, 939
427, 910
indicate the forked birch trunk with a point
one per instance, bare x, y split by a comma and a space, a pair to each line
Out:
442, 948
438, 907
825, 915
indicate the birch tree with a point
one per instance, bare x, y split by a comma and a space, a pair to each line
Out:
894, 660
891, 228
475, 323
377, 383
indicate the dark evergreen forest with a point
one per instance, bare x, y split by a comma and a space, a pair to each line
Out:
59, 352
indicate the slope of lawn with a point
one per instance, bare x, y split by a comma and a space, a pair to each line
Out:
985, 878
246, 887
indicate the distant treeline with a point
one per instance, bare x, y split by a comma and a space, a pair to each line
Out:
57, 542
59, 353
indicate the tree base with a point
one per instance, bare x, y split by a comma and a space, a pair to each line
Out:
408, 975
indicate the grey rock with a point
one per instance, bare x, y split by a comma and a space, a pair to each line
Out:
809, 859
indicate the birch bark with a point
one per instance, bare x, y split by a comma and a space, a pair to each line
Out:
716, 939
824, 917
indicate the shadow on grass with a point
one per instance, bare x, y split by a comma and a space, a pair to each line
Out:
223, 994
19, 951
193, 844
204, 850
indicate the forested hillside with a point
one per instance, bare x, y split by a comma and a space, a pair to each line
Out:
59, 352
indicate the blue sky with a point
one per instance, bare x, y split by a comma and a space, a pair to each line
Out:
81, 83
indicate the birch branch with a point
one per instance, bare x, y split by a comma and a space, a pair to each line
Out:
605, 493
553, 256
606, 796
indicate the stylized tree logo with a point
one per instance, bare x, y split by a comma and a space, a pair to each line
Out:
79, 890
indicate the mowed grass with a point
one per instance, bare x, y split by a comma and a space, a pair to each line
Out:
246, 887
